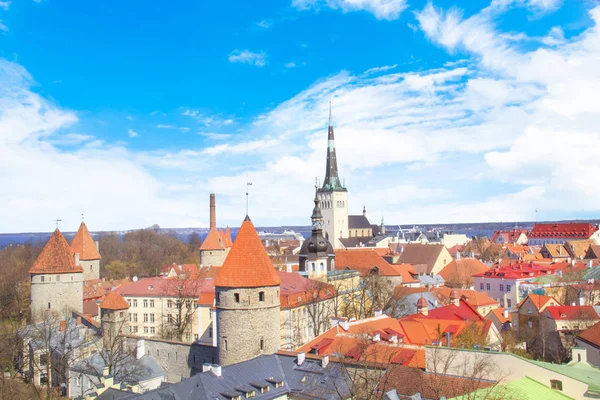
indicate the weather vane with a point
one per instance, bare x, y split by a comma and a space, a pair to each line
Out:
248, 183
57, 221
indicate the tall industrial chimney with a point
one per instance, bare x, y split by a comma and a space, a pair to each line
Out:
213, 212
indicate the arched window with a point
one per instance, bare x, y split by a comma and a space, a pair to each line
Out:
314, 268
322, 267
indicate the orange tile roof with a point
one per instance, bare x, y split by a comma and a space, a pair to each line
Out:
97, 288
84, 244
56, 257
499, 313
213, 241
247, 264
473, 297
591, 335
114, 301
538, 300
297, 290
228, 241
461, 271
365, 260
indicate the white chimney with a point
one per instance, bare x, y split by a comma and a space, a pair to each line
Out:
376, 337
581, 300
457, 256
216, 369
506, 313
378, 312
589, 264
325, 361
206, 367
140, 349
301, 357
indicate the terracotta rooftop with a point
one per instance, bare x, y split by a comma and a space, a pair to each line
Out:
56, 257
369, 262
572, 313
508, 236
591, 335
114, 301
473, 297
213, 241
460, 272
563, 231
247, 264
84, 244
538, 300
499, 313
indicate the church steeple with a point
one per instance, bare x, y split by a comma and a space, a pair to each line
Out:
332, 180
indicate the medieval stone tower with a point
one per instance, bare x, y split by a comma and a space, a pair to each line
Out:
333, 197
114, 319
56, 280
247, 300
86, 253
316, 256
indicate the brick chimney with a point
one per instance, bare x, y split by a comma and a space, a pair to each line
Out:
213, 212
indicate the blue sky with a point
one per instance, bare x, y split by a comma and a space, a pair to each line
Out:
133, 112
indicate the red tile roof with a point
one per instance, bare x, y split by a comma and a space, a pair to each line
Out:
517, 270
297, 290
473, 297
460, 272
367, 262
84, 244
228, 241
163, 287
56, 257
96, 288
412, 332
563, 231
247, 264
499, 313
572, 313
114, 301
538, 300
213, 241
591, 335
509, 236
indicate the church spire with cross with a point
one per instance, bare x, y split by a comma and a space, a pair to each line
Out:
332, 180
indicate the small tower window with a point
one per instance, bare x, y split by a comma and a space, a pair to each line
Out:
225, 343
236, 297
262, 344
48, 305
261, 296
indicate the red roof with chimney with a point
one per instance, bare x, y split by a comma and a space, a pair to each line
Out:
84, 244
247, 264
56, 257
114, 301
568, 231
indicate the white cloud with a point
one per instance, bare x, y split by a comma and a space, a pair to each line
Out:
555, 37
264, 24
129, 118
258, 59
208, 120
3, 27
383, 68
290, 65
5, 4
382, 9
70, 139
215, 136
184, 129
132, 133
165, 126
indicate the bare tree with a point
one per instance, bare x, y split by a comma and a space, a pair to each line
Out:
319, 305
182, 295
374, 292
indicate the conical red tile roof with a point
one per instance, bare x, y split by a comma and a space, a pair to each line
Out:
247, 264
114, 301
84, 244
228, 241
212, 241
56, 257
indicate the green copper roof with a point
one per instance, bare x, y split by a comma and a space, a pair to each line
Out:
522, 389
583, 372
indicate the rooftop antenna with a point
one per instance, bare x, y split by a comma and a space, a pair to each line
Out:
57, 221
248, 183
